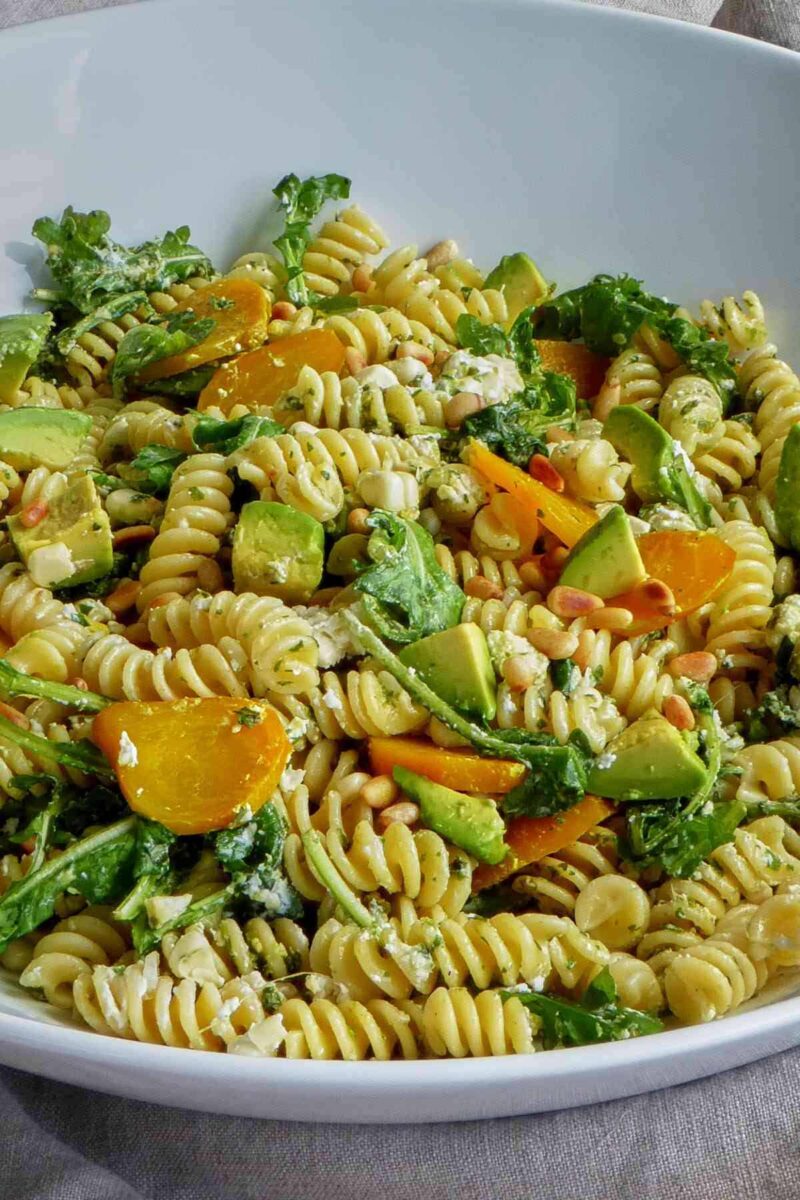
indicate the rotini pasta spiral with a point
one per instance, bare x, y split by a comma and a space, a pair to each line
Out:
770, 770
555, 882
634, 680
117, 668
733, 460
144, 423
340, 246
742, 607
363, 703
691, 412
197, 513
591, 469
457, 1024
742, 326
632, 378
71, 949
381, 405
709, 980
376, 335
773, 386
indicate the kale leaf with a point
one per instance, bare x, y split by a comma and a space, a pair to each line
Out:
301, 200
406, 593
473, 335
515, 429
152, 470
89, 267
224, 437
609, 310
97, 867
146, 344
596, 1017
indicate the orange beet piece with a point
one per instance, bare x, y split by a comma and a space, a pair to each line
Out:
693, 565
457, 769
531, 838
587, 369
262, 376
193, 764
568, 519
240, 310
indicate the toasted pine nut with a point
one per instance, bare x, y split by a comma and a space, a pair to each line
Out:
441, 357
583, 654
613, 619
520, 671
14, 715
354, 360
572, 602
33, 513
541, 469
77, 681
607, 398
379, 792
164, 598
133, 533
357, 521
553, 560
362, 278
441, 254
283, 310
139, 634
209, 576
698, 665
656, 594
124, 596
405, 812
678, 712
482, 588
323, 597
540, 617
461, 406
415, 350
555, 643
532, 575
556, 434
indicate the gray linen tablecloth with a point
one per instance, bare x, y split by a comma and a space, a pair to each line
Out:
733, 1137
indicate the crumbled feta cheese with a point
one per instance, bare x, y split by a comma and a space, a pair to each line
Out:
378, 375
164, 908
50, 564
128, 755
262, 1040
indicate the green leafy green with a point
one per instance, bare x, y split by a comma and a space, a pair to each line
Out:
406, 593
152, 470
82, 754
97, 867
185, 386
564, 676
224, 437
89, 267
596, 1017
773, 717
301, 200
788, 808
16, 683
113, 308
516, 428
478, 338
556, 776
146, 344
609, 310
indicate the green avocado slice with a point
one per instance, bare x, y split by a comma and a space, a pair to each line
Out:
606, 560
21, 340
42, 437
521, 282
650, 760
473, 823
277, 551
455, 663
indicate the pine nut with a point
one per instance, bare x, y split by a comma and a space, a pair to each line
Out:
698, 665
77, 681
541, 469
655, 594
405, 812
283, 310
133, 533
461, 406
357, 521
14, 715
415, 350
441, 357
123, 597
164, 598
572, 602
209, 576
532, 575
441, 254
608, 398
34, 513
520, 671
555, 643
540, 617
354, 360
482, 588
553, 561
678, 712
379, 792
556, 434
362, 278
323, 597
139, 634
583, 655
613, 619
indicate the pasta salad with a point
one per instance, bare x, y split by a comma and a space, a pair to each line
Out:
398, 660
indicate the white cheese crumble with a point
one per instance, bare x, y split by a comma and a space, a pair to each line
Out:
50, 564
128, 755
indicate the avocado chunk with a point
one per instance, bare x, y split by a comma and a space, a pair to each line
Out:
21, 341
787, 489
660, 471
606, 560
455, 663
277, 551
521, 282
650, 760
42, 437
473, 823
72, 544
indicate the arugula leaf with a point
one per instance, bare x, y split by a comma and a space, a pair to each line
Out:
564, 676
225, 437
557, 774
788, 808
146, 344
301, 200
185, 386
480, 339
114, 308
153, 844
406, 593
81, 754
609, 310
98, 867
596, 1017
89, 267
772, 718
16, 683
515, 428
152, 470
